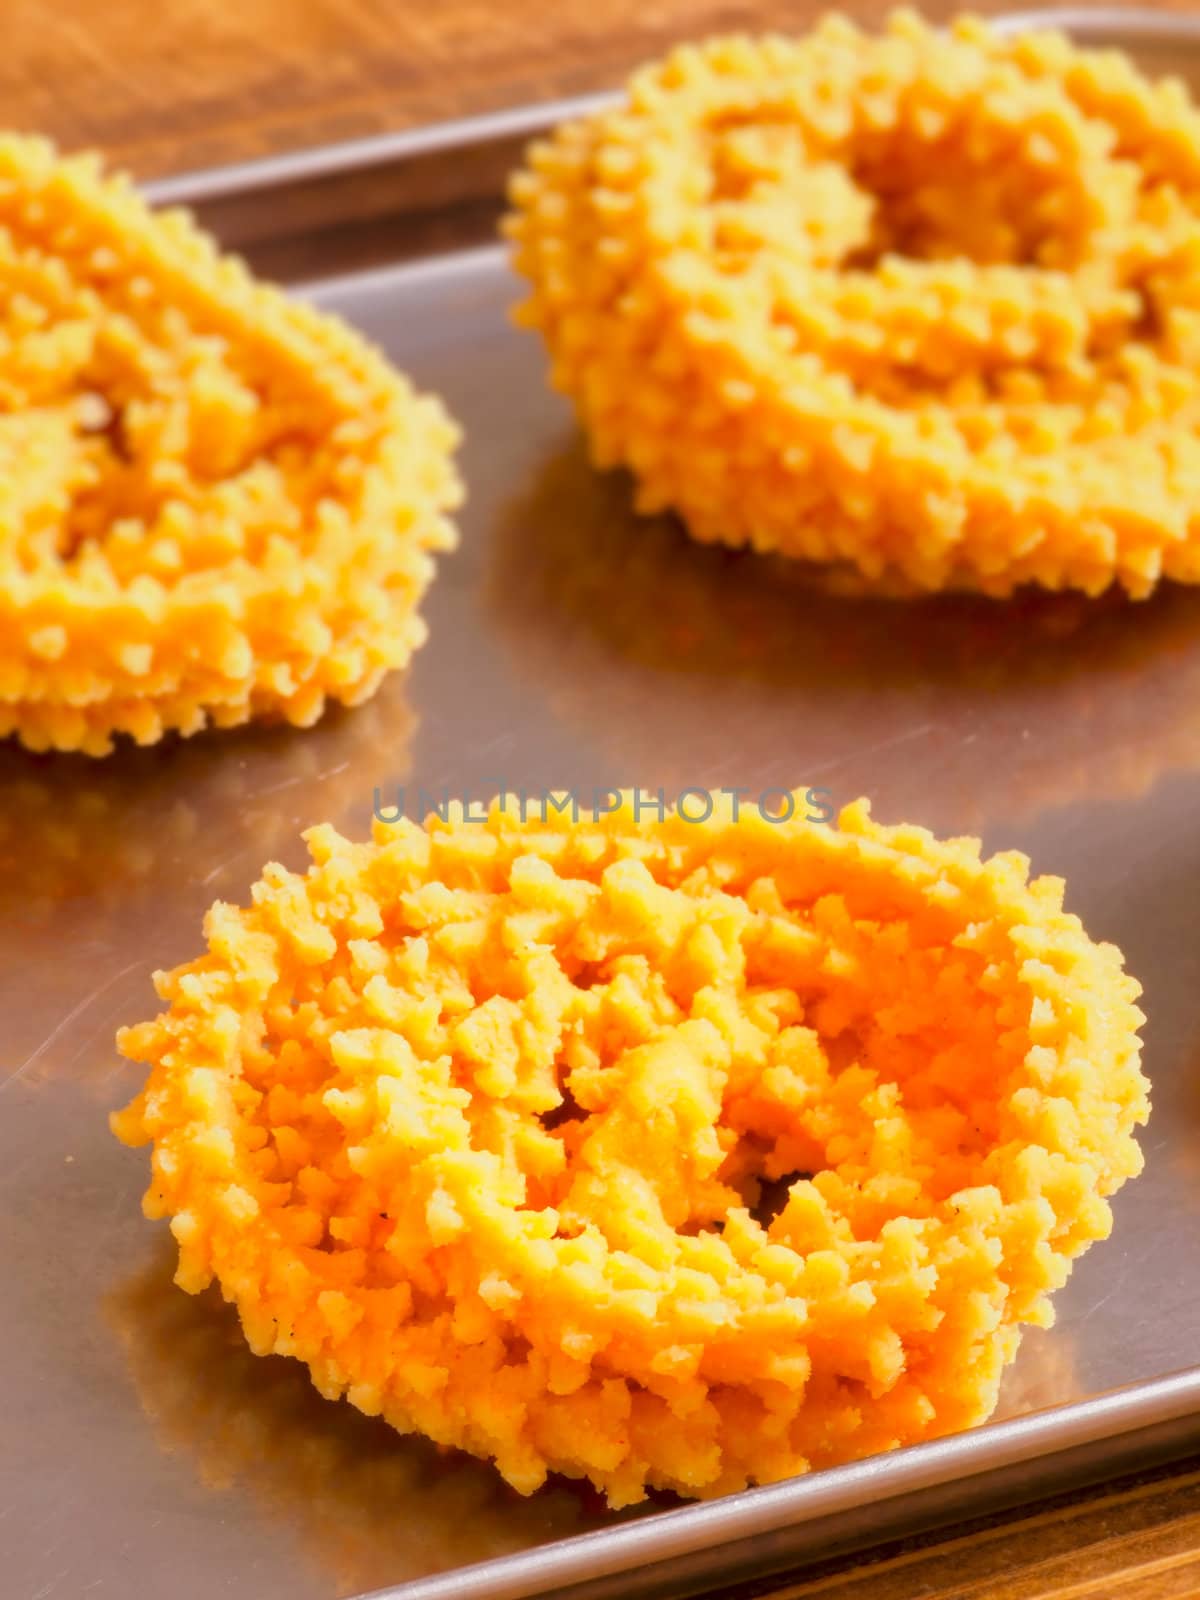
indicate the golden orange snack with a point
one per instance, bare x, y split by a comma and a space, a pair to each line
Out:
215, 503
920, 305
657, 1152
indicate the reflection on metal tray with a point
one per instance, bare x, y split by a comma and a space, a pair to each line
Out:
144, 1448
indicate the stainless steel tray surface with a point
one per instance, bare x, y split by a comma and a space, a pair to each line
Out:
144, 1450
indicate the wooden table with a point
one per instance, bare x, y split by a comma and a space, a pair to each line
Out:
173, 85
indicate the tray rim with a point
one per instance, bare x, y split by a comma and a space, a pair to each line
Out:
987, 1449
889, 1475
207, 185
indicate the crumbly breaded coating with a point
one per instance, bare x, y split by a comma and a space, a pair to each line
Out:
215, 503
664, 1153
922, 305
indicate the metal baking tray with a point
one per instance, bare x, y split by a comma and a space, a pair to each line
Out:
144, 1450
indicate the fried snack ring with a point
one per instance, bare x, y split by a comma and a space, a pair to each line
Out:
215, 504
921, 305
483, 1122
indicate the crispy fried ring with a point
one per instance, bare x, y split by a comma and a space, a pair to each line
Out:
918, 304
215, 504
487, 1123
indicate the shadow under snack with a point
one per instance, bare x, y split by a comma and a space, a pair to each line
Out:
1045, 1373
74, 829
372, 1507
106, 865
696, 665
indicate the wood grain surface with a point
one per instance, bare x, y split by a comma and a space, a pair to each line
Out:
174, 85
1136, 1540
